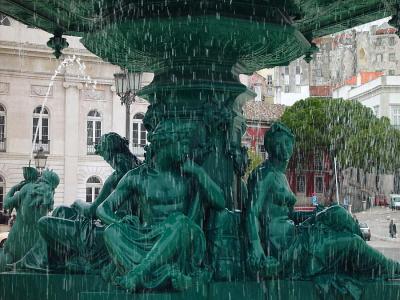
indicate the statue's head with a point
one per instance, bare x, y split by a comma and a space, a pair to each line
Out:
177, 140
279, 142
110, 145
31, 174
50, 177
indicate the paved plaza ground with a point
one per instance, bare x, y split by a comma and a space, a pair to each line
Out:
378, 219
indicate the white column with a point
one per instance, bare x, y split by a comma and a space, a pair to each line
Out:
118, 114
71, 144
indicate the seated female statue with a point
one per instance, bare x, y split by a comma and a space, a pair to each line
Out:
72, 234
329, 243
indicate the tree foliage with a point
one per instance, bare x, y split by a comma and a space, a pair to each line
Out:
345, 129
255, 160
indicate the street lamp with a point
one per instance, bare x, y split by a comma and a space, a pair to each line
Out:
40, 160
127, 84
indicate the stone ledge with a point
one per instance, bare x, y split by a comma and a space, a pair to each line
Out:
39, 286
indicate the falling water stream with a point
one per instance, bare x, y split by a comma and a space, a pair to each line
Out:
67, 62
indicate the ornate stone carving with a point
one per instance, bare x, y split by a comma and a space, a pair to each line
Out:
4, 88
41, 90
92, 94
78, 85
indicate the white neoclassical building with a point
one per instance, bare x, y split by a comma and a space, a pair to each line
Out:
75, 115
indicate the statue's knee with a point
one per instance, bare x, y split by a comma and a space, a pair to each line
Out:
110, 234
44, 225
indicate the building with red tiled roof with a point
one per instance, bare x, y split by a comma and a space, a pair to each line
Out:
259, 117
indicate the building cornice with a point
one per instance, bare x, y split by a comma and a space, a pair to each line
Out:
377, 90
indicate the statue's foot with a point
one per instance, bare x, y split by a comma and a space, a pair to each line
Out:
108, 271
129, 282
181, 282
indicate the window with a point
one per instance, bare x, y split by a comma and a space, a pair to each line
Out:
269, 79
257, 90
392, 41
139, 135
42, 137
379, 57
395, 116
286, 70
287, 89
318, 160
298, 70
379, 41
376, 110
93, 130
392, 57
2, 128
93, 187
301, 184
4, 20
2, 191
319, 184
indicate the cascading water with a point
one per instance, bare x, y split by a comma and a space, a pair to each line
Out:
67, 62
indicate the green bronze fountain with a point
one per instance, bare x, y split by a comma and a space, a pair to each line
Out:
183, 224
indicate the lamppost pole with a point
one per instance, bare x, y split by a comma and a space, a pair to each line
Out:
127, 84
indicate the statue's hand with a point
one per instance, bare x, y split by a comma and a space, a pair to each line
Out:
271, 266
257, 258
83, 209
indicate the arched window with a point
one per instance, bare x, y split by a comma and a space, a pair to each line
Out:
2, 128
93, 130
4, 20
42, 138
93, 186
139, 135
2, 192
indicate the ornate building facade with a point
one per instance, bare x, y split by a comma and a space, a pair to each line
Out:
76, 114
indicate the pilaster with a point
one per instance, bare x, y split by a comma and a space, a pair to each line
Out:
72, 133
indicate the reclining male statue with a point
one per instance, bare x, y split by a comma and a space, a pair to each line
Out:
164, 246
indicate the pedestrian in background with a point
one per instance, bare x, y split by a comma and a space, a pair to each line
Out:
392, 229
314, 199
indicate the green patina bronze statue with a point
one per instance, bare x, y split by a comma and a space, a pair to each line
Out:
164, 245
328, 244
32, 199
74, 237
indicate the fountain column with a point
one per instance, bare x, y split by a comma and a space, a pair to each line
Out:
71, 148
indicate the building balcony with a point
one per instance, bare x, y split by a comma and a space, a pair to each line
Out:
42, 144
91, 149
3, 145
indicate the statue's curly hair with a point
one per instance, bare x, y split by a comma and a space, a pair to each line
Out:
112, 142
276, 129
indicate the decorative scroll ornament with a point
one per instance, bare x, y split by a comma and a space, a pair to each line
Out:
91, 94
40, 91
4, 88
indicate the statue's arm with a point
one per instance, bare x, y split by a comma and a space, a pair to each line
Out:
212, 191
255, 203
12, 199
123, 192
105, 191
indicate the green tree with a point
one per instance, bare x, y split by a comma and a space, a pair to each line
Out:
346, 130
254, 160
